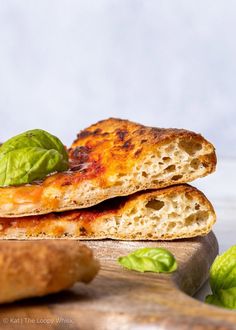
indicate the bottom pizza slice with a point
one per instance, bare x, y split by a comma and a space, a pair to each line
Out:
175, 212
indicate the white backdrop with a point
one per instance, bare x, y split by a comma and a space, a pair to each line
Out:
65, 64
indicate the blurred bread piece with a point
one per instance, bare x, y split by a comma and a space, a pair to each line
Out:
114, 158
176, 212
31, 269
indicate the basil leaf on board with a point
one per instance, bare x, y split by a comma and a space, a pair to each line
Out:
223, 280
158, 260
31, 156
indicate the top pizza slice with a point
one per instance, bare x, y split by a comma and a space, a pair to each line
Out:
112, 158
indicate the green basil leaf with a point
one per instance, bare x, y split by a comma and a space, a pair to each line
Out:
31, 156
158, 260
223, 280
228, 297
223, 271
225, 298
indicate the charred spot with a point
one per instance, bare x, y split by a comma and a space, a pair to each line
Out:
80, 153
83, 134
76, 167
121, 134
143, 141
83, 230
138, 152
97, 131
66, 183
128, 145
205, 164
79, 156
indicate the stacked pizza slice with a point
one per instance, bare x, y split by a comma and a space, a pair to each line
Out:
126, 181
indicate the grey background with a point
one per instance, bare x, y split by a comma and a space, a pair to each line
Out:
66, 64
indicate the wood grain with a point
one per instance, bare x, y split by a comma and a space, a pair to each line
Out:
122, 299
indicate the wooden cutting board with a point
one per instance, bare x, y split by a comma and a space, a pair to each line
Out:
122, 299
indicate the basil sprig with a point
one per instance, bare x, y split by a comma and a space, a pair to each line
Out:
31, 156
223, 280
158, 260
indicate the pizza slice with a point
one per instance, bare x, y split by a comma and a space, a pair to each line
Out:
35, 269
114, 158
175, 212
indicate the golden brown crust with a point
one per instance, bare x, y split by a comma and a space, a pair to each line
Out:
110, 218
30, 269
117, 144
102, 156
